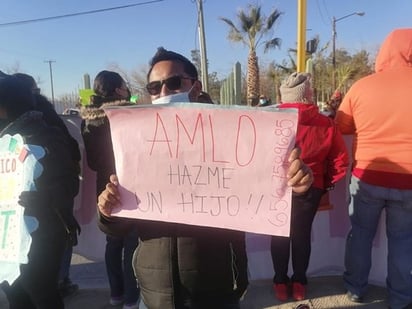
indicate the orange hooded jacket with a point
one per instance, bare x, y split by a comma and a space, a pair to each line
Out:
377, 110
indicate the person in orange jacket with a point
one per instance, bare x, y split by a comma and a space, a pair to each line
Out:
377, 112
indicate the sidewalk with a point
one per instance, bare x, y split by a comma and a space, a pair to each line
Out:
323, 292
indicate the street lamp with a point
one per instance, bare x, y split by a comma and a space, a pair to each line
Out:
334, 20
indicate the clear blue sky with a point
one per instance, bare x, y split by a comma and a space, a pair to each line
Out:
129, 37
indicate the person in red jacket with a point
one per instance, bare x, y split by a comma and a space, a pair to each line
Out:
324, 151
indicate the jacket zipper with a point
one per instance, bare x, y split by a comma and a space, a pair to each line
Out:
234, 268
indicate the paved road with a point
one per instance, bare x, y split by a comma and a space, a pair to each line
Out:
323, 292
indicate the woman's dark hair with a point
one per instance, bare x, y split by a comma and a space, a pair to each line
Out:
28, 81
167, 55
104, 87
204, 97
15, 97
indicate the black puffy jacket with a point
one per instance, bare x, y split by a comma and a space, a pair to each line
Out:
95, 129
174, 262
52, 201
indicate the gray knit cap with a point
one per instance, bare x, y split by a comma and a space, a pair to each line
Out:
297, 88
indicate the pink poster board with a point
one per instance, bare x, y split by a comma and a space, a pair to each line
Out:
205, 165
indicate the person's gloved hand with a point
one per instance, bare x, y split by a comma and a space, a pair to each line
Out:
31, 199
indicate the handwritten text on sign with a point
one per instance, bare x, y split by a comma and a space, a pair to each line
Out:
19, 166
205, 165
11, 180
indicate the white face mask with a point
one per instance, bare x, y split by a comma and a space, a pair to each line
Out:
180, 97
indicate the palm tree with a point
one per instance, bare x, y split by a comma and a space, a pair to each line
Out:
253, 27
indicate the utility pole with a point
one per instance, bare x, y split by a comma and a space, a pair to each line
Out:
202, 42
51, 77
301, 35
334, 20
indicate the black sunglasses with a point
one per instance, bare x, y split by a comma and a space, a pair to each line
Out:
172, 83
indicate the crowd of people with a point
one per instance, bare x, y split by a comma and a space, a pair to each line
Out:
167, 265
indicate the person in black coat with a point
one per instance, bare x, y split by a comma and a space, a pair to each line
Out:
110, 90
50, 200
50, 116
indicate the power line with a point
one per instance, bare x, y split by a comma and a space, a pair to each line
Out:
321, 14
21, 22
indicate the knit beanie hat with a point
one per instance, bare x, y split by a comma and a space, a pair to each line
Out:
297, 88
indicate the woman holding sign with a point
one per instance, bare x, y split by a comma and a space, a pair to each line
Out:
45, 181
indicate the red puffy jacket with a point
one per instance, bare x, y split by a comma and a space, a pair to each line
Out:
322, 145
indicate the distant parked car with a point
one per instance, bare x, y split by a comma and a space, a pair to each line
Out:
71, 111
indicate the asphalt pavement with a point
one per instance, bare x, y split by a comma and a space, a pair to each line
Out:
322, 292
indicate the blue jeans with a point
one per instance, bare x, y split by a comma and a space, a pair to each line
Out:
118, 258
366, 205
64, 272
